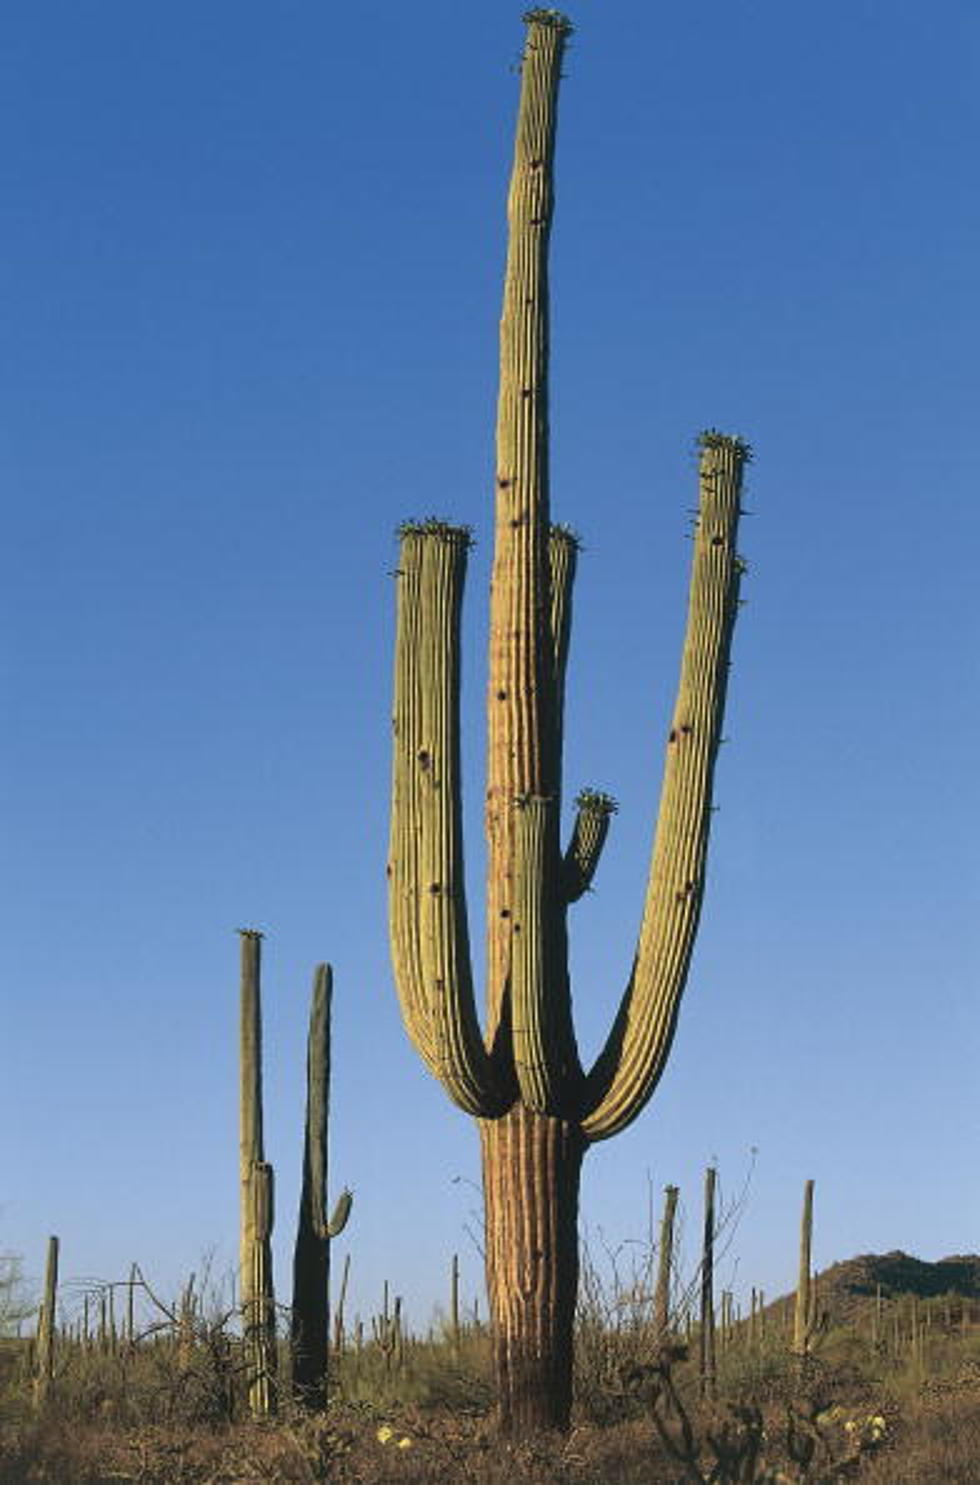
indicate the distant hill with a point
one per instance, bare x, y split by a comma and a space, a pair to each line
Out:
845, 1289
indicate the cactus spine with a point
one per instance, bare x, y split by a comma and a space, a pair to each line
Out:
310, 1326
538, 1107
257, 1214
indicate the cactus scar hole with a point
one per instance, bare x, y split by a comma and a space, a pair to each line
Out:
501, 696
505, 912
435, 888
503, 482
717, 541
673, 735
424, 759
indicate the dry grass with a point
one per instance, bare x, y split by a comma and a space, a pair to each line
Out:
173, 1413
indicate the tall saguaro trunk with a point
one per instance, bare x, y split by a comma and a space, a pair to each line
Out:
521, 1075
531, 1169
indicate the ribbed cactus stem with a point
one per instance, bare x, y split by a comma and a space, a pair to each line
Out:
257, 1215
630, 1065
427, 891
523, 732
593, 813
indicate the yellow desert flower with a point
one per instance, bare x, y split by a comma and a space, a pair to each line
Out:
405, 1443
385, 1434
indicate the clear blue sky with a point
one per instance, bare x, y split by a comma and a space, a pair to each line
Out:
251, 270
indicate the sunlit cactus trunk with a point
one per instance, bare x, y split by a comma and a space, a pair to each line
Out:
310, 1322
257, 1212
538, 1108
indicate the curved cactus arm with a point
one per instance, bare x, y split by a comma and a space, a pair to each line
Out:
545, 1056
629, 1066
593, 812
427, 896
340, 1213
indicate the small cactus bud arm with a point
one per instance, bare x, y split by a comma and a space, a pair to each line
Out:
629, 1066
340, 1213
427, 901
593, 812
545, 1057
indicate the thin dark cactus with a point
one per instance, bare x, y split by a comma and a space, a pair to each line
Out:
707, 1369
310, 1324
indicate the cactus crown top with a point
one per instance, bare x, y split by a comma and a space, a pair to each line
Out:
436, 526
565, 533
593, 801
711, 438
553, 18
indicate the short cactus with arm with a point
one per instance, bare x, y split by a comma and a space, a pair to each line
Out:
310, 1322
537, 1106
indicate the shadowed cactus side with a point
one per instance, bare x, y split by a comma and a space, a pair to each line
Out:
520, 1074
258, 1303
309, 1334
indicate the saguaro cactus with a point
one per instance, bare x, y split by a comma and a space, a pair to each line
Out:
257, 1216
310, 1327
522, 1078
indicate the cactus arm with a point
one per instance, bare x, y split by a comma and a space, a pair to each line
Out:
427, 897
593, 812
522, 737
340, 1213
629, 1066
563, 550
